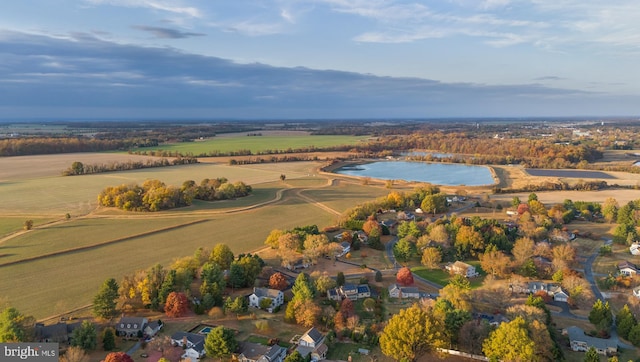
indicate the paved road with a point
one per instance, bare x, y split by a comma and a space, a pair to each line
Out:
588, 274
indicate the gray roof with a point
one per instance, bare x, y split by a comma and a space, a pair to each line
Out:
196, 339
274, 352
253, 350
315, 335
139, 323
577, 334
266, 292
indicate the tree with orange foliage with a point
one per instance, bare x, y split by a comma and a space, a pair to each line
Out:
404, 276
278, 281
176, 305
118, 357
371, 224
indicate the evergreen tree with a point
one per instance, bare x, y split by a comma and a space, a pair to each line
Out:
625, 321
108, 339
220, 342
104, 303
85, 336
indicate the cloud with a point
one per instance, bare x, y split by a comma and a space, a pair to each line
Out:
549, 77
162, 5
105, 79
167, 33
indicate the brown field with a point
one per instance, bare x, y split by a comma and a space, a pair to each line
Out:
26, 167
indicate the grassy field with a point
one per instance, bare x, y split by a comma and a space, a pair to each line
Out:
53, 284
256, 144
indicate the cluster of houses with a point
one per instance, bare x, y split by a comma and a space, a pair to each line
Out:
310, 345
554, 290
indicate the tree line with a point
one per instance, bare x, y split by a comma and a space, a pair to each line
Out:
79, 168
52, 145
154, 195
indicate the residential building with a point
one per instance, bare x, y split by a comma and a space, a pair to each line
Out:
636, 292
462, 268
254, 352
153, 328
351, 291
192, 343
55, 333
131, 327
635, 248
397, 291
259, 294
581, 342
312, 343
627, 268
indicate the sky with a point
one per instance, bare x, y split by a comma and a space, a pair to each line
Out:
314, 59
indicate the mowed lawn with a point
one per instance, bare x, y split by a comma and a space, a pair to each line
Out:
256, 144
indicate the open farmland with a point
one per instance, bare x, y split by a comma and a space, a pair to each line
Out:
256, 144
64, 262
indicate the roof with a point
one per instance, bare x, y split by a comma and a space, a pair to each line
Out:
349, 288
363, 288
53, 330
253, 350
577, 334
460, 264
314, 335
135, 322
196, 339
626, 264
345, 245
266, 292
409, 290
274, 351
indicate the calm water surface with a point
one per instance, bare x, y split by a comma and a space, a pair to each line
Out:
435, 173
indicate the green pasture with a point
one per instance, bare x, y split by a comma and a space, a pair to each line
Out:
255, 144
334, 197
11, 224
77, 195
442, 277
59, 283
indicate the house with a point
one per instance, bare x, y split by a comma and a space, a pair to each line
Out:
396, 291
153, 328
627, 269
131, 327
192, 343
298, 264
581, 342
259, 294
558, 293
312, 343
636, 292
534, 287
635, 249
462, 268
55, 333
362, 236
351, 291
254, 352
346, 247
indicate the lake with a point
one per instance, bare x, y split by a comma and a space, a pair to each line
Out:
435, 173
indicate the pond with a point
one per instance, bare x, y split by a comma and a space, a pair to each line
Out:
436, 173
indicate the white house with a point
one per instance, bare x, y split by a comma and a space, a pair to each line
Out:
635, 249
346, 247
627, 269
312, 343
581, 342
351, 291
259, 294
559, 294
462, 268
192, 343
153, 328
396, 291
